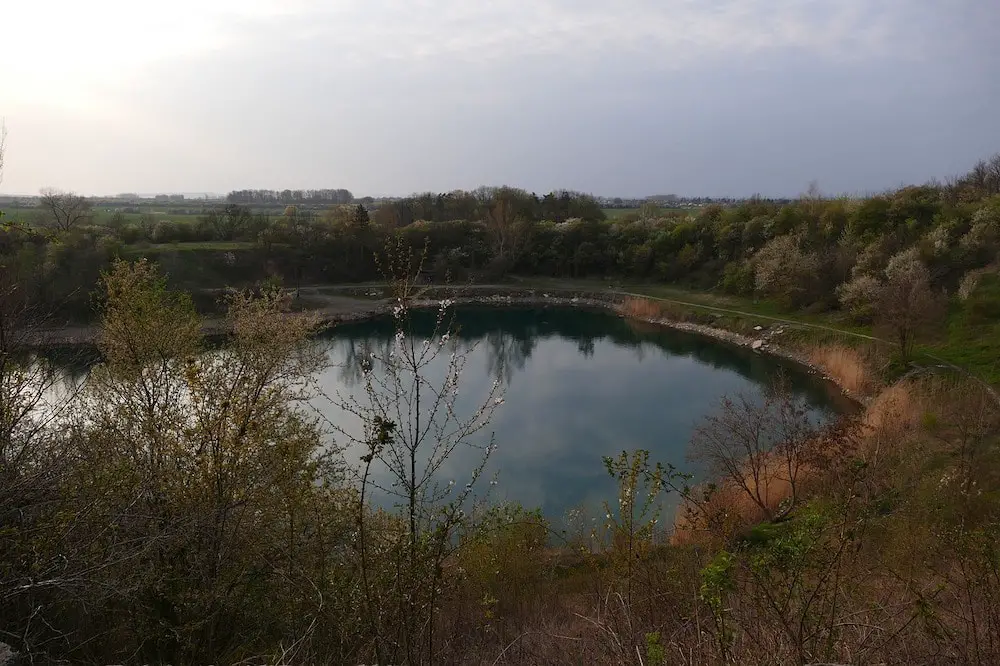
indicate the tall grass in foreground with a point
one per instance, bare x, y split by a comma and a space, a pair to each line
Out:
846, 365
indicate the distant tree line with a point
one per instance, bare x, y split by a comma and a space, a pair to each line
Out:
480, 203
277, 197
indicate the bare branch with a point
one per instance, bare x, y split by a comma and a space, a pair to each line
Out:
64, 210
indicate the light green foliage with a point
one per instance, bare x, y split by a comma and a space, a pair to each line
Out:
632, 523
717, 581
198, 494
630, 527
656, 654
500, 555
789, 551
143, 323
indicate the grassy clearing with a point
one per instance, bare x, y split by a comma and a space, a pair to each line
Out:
614, 213
975, 348
107, 216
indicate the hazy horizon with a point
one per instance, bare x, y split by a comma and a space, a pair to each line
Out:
388, 98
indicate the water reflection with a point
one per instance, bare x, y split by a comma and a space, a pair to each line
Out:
580, 385
507, 352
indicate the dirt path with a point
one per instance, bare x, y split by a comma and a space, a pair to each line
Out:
751, 315
989, 388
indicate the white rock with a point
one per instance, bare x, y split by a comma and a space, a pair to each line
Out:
758, 328
756, 344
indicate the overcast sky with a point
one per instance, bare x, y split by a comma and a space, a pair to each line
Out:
619, 97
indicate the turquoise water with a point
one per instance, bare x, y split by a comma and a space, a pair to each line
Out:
578, 386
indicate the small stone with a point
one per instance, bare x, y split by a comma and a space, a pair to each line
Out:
757, 344
758, 328
7, 654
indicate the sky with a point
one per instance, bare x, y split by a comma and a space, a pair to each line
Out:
391, 97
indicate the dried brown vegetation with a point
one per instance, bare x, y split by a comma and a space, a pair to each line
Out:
847, 366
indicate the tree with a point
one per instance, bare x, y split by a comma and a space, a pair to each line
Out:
33, 404
408, 427
297, 231
64, 210
859, 296
783, 270
507, 225
907, 306
211, 480
360, 219
762, 447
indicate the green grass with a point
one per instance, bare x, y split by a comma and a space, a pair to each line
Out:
615, 213
971, 339
104, 217
204, 246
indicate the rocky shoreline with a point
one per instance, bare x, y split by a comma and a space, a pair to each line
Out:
764, 343
361, 310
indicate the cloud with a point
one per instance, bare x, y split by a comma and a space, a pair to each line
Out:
672, 32
386, 96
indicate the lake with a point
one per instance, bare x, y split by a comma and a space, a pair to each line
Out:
578, 385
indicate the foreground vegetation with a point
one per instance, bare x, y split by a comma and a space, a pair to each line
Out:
194, 501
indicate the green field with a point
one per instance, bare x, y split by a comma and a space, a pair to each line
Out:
614, 213
199, 246
105, 216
